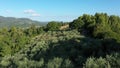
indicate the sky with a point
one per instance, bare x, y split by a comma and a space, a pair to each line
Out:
57, 10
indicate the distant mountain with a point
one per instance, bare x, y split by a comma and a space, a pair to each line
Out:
18, 22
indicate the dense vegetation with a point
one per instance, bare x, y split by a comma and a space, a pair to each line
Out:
89, 42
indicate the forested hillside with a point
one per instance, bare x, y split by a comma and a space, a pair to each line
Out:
18, 22
91, 41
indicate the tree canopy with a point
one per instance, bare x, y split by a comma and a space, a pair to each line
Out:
91, 41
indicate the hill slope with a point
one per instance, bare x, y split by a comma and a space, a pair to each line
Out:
18, 22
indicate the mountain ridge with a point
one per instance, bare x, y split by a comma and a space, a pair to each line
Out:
18, 22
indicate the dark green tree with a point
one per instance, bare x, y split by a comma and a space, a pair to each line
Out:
51, 26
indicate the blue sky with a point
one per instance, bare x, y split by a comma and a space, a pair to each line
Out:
57, 10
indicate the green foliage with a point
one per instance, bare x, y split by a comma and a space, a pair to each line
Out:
111, 61
36, 47
84, 24
98, 26
78, 23
97, 63
55, 63
59, 63
18, 62
114, 60
51, 26
12, 41
114, 22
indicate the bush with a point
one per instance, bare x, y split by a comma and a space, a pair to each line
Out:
96, 63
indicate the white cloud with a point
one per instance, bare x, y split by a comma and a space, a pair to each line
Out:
29, 11
35, 15
32, 13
